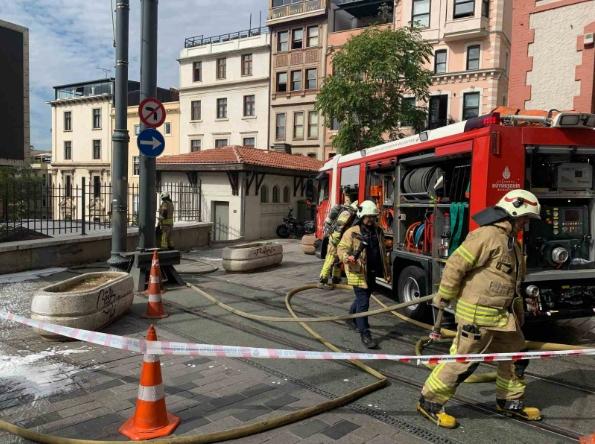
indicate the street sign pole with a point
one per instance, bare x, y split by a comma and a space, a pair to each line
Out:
120, 140
148, 88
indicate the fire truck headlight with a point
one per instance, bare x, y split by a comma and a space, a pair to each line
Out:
560, 255
532, 291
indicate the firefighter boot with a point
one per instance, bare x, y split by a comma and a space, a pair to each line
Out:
368, 340
516, 408
435, 413
322, 283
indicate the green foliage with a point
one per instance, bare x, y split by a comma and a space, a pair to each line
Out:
372, 74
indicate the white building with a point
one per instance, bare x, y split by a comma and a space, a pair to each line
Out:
224, 91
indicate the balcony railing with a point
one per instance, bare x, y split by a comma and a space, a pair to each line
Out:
199, 40
295, 8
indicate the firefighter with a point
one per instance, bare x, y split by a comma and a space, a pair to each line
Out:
362, 251
166, 221
483, 275
338, 220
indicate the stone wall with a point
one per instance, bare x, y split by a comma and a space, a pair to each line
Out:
66, 251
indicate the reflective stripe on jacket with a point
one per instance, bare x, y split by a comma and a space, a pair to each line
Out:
485, 274
350, 243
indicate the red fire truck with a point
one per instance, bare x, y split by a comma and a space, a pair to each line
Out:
428, 185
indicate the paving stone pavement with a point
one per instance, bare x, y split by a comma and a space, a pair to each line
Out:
79, 390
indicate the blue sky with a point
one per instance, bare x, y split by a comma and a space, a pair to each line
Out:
70, 39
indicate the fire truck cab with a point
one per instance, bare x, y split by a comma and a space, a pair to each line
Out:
428, 185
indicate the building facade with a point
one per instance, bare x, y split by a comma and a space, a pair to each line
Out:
471, 40
553, 55
224, 91
14, 78
298, 67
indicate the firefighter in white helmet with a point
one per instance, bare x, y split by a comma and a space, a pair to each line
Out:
363, 252
483, 276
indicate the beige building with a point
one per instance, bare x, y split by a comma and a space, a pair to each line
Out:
298, 47
224, 91
471, 40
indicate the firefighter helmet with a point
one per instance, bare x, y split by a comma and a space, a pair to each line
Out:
519, 203
164, 196
367, 208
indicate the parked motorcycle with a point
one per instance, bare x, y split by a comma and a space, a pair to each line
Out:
291, 226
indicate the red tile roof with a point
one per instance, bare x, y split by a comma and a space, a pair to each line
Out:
245, 155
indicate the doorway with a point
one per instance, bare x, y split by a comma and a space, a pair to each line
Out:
220, 220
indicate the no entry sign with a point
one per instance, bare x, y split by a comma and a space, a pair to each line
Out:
151, 112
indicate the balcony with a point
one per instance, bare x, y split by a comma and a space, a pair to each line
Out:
464, 29
292, 10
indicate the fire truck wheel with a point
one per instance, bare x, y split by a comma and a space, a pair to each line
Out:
321, 251
412, 285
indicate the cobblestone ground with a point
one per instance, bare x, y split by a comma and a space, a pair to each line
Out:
73, 389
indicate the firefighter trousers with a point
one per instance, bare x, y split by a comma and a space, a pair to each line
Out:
445, 378
166, 242
331, 264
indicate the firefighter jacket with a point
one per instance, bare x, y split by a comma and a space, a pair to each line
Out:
350, 244
485, 274
166, 212
342, 223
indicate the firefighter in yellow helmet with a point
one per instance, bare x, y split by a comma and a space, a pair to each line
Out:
363, 252
483, 276
339, 219
166, 221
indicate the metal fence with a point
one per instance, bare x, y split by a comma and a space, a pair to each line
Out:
38, 210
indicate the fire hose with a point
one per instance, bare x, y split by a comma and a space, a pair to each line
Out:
307, 412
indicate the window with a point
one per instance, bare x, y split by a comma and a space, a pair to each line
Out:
220, 143
275, 194
197, 71
97, 149
249, 106
438, 111
67, 150
136, 130
473, 58
313, 125
222, 108
297, 37
335, 124
285, 194
485, 8
440, 61
281, 81
282, 41
135, 165
264, 194
311, 78
67, 121
96, 118
195, 145
249, 141
68, 186
312, 155
470, 105
167, 128
298, 125
464, 8
195, 110
96, 187
407, 105
420, 14
280, 126
221, 68
312, 36
296, 80
247, 65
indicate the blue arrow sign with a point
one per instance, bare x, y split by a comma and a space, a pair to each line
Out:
150, 142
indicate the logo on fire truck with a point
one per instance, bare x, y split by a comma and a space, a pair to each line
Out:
506, 183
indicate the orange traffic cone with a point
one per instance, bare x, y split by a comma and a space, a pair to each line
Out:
155, 308
150, 419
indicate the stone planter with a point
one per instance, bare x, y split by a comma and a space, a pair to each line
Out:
252, 256
309, 244
89, 302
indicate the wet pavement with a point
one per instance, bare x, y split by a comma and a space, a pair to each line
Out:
81, 390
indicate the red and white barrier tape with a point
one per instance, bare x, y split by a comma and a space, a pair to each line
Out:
191, 349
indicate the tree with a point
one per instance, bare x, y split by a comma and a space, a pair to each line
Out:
373, 73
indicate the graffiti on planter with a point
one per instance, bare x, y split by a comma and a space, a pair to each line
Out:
106, 301
265, 251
